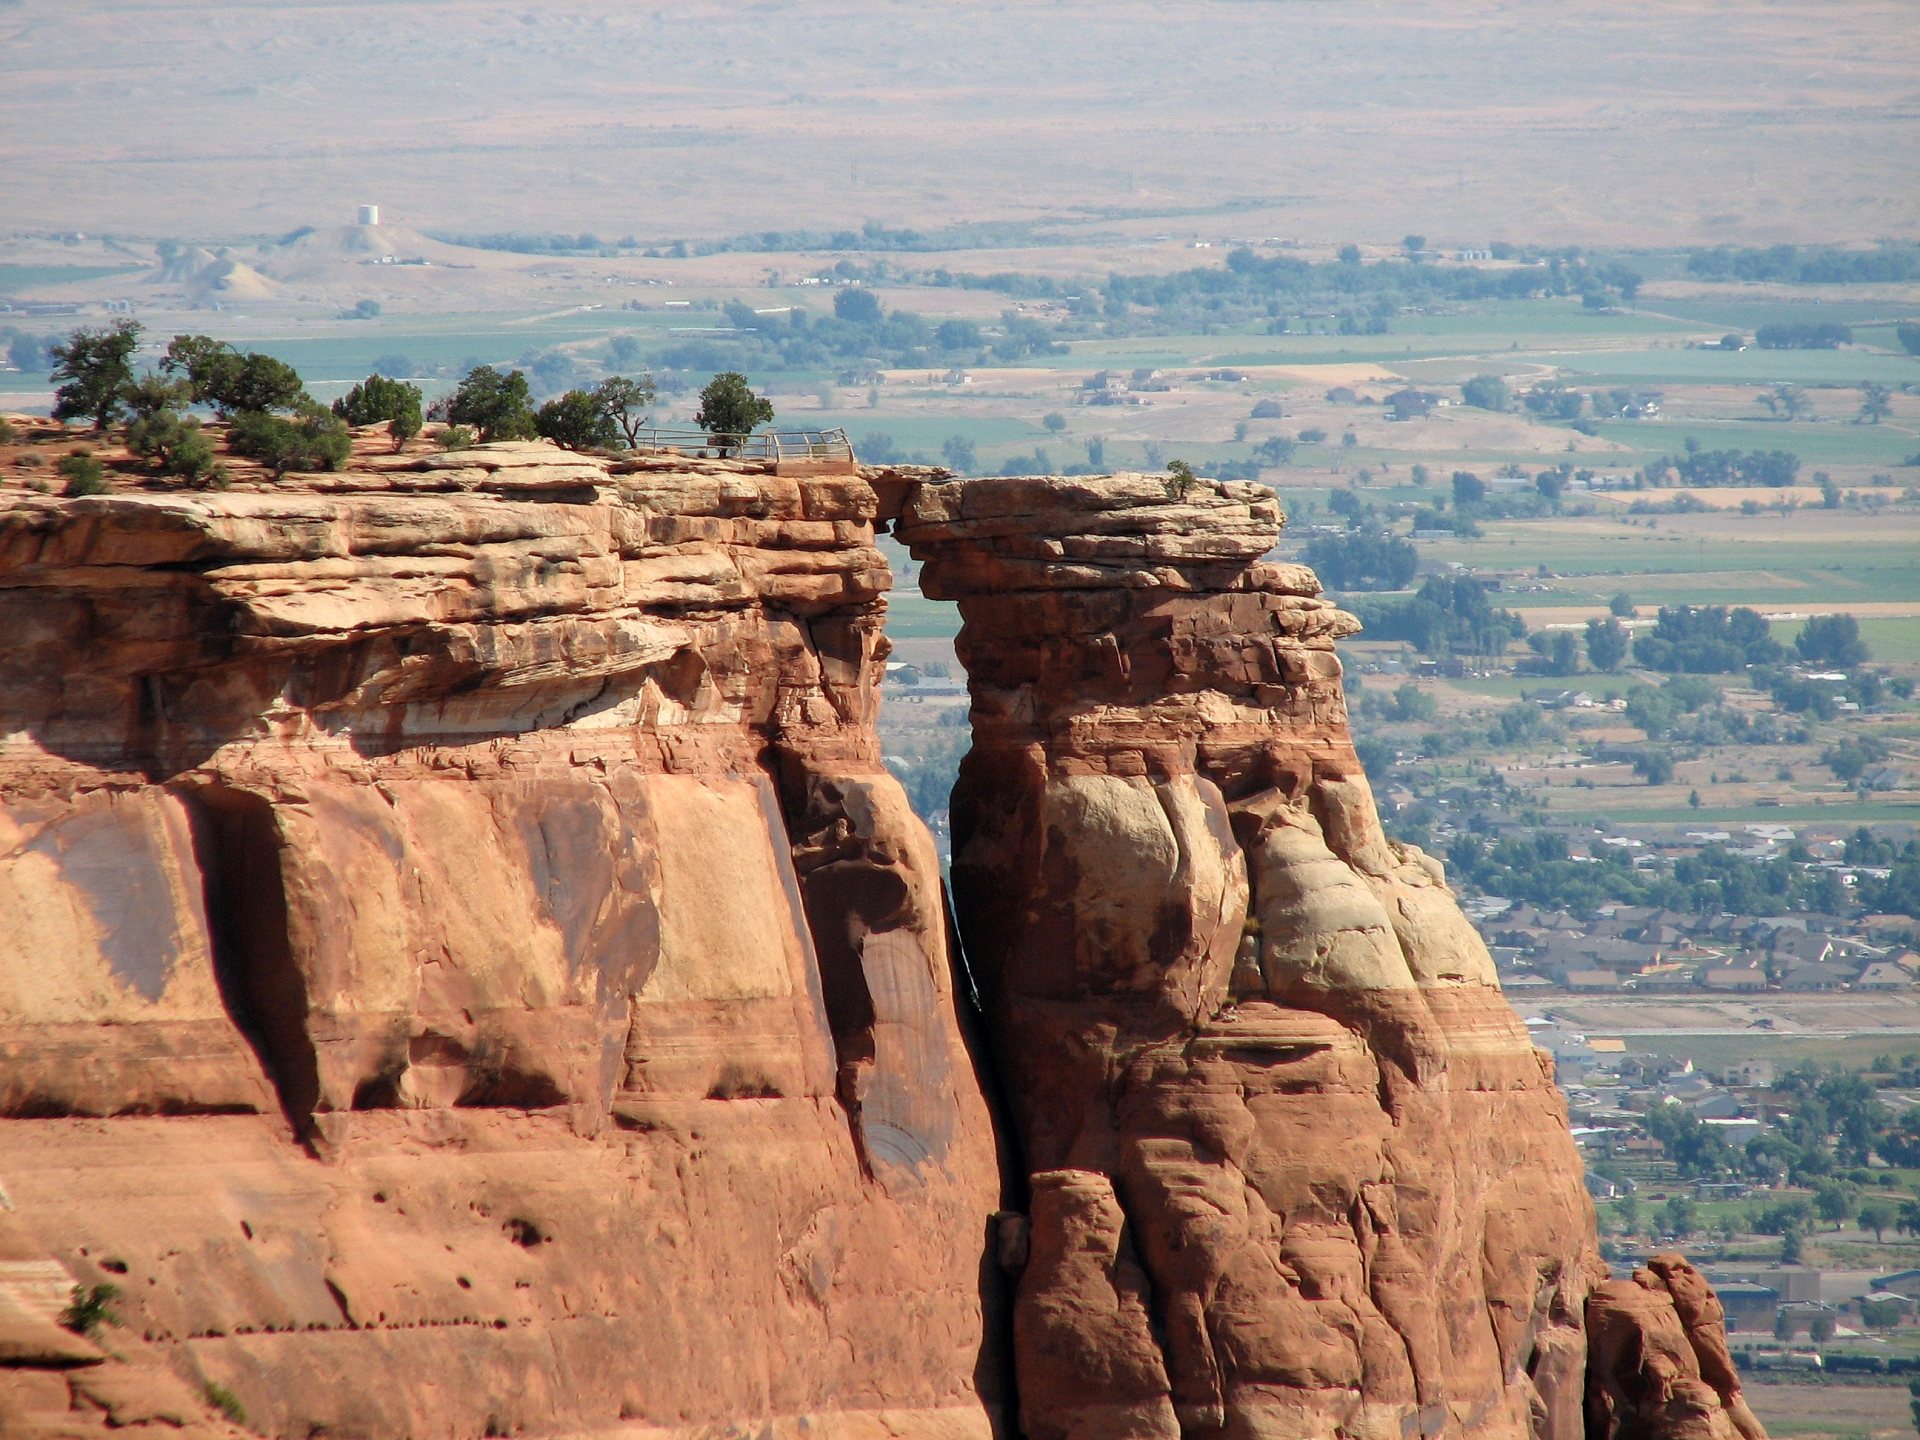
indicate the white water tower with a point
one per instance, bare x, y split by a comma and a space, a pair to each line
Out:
369, 214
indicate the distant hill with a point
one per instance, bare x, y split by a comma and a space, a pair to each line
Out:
204, 276
320, 253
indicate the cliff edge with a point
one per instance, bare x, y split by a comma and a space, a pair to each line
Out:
467, 971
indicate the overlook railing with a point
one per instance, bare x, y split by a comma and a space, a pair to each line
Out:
774, 445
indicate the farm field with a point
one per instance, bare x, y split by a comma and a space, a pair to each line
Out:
1714, 1031
1809, 558
1831, 1411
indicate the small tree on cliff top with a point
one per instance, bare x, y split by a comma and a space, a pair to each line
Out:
499, 406
626, 400
378, 398
729, 408
96, 371
232, 381
314, 440
579, 421
159, 429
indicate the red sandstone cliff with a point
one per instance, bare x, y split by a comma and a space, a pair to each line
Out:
1260, 1063
465, 971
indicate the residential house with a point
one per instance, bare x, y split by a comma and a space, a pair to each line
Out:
1816, 975
1735, 975
1717, 1106
1721, 1189
1884, 975
1904, 1283
1667, 975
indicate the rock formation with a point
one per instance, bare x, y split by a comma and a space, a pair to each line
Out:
466, 971
1658, 1360
1259, 1062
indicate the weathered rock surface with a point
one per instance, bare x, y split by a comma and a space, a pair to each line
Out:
464, 970
1296, 1168
1658, 1359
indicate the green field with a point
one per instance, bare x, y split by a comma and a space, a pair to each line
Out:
1818, 443
1857, 1051
1893, 640
1843, 810
925, 433
1758, 368
15, 278
911, 616
1518, 687
1761, 561
1744, 315
1516, 337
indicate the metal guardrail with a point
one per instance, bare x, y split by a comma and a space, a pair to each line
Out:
774, 445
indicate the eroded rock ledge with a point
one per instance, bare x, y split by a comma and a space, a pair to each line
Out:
466, 972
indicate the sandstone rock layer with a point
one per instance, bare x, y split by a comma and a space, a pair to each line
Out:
466, 971
1296, 1168
1659, 1363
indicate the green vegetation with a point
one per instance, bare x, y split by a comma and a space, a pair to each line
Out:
1832, 640
160, 431
729, 409
233, 382
1543, 870
95, 370
1725, 467
1447, 616
1365, 298
1706, 640
578, 421
497, 406
1606, 644
626, 399
377, 400
1486, 392
314, 440
84, 476
226, 1402
1809, 265
600, 418
1358, 561
1802, 336
89, 1307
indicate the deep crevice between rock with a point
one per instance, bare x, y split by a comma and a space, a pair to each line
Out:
237, 846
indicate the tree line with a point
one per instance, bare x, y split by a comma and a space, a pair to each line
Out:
1539, 868
1808, 265
270, 416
